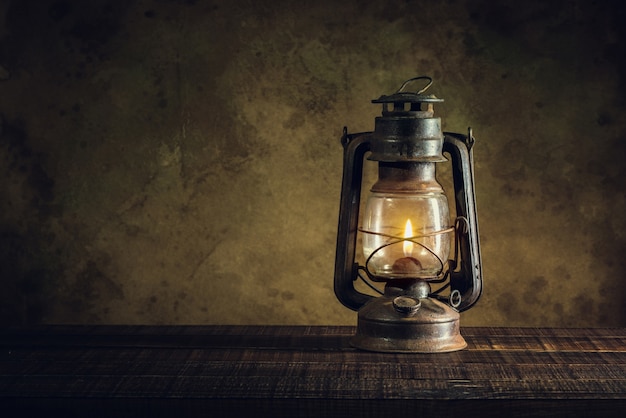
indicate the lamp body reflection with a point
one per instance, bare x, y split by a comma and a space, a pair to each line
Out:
406, 232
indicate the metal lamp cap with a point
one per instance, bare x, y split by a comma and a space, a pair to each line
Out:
406, 305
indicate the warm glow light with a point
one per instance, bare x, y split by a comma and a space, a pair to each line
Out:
407, 246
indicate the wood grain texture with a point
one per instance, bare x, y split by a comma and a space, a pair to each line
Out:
308, 371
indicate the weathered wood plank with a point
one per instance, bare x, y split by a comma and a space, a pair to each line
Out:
217, 366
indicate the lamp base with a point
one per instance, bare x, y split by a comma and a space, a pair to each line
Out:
408, 323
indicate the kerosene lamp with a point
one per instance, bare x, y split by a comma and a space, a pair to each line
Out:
408, 242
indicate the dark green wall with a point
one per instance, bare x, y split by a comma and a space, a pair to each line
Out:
170, 162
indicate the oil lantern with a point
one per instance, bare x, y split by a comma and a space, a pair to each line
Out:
428, 263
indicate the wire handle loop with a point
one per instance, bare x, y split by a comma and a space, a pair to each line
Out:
422, 77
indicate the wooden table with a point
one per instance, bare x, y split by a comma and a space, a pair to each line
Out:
244, 371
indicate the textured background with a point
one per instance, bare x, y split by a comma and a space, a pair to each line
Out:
178, 162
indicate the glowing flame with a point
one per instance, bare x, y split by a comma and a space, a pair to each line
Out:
407, 246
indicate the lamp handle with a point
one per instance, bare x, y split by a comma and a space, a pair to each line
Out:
467, 277
346, 270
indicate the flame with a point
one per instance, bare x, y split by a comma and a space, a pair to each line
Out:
407, 246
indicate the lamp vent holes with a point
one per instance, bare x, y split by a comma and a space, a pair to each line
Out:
405, 107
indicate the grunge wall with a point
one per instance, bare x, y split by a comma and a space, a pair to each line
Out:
178, 162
